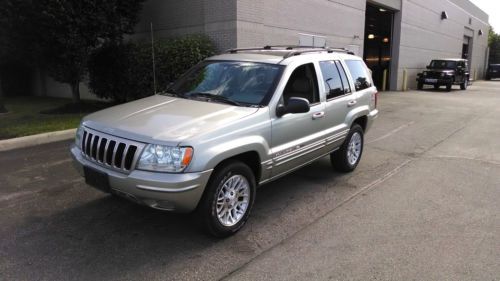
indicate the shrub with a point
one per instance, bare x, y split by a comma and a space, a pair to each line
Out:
124, 72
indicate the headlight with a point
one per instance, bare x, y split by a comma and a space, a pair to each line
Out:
79, 136
425, 73
163, 158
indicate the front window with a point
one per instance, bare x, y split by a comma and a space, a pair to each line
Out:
243, 83
443, 64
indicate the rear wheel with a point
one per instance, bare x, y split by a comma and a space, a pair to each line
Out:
463, 86
346, 159
228, 199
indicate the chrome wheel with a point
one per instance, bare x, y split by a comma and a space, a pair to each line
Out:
354, 149
232, 200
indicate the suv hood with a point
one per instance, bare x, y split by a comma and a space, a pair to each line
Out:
165, 119
441, 70
437, 70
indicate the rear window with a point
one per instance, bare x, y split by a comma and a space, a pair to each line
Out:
360, 75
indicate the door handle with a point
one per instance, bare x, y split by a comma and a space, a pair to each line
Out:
351, 103
318, 115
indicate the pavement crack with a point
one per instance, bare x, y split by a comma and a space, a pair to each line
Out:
353, 196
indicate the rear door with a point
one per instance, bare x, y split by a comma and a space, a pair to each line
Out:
339, 99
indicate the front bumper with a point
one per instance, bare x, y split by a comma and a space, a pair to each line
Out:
171, 192
435, 81
493, 74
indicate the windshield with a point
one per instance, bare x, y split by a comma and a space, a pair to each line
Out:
443, 64
246, 83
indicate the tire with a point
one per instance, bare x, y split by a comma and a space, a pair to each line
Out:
219, 191
342, 159
436, 87
448, 87
420, 86
463, 86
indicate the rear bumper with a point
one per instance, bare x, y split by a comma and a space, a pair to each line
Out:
371, 117
171, 192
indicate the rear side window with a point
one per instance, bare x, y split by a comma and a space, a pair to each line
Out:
360, 74
332, 80
345, 81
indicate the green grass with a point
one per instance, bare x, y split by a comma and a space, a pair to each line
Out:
25, 118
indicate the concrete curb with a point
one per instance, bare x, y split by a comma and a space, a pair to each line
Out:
33, 140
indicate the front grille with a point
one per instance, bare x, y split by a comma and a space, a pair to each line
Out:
435, 75
109, 151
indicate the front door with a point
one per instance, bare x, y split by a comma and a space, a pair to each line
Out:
299, 138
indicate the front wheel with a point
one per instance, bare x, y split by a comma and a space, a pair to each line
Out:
347, 157
228, 199
448, 87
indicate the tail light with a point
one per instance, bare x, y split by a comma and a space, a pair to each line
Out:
375, 99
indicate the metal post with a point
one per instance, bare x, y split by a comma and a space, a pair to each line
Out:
384, 81
405, 80
153, 56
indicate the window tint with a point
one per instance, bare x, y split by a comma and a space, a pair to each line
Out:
303, 83
345, 81
359, 74
332, 80
243, 82
443, 64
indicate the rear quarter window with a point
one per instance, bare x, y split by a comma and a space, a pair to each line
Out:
360, 75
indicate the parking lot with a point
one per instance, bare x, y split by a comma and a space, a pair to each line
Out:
422, 205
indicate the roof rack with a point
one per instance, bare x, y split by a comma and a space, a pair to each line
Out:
293, 50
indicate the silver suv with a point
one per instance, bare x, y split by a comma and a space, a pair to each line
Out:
231, 123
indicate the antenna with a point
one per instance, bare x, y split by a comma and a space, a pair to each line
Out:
153, 56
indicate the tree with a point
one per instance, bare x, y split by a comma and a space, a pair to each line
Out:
67, 31
11, 23
124, 72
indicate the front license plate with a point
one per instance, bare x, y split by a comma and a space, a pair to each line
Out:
96, 179
431, 80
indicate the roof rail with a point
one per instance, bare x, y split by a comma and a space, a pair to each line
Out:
295, 50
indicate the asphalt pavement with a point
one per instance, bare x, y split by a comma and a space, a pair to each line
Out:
422, 205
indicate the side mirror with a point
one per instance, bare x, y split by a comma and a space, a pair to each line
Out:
295, 105
428, 67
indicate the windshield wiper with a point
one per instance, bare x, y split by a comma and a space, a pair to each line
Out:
215, 98
171, 92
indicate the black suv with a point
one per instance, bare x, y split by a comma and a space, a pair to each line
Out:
493, 71
445, 72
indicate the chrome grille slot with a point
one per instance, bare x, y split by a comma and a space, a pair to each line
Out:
111, 152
